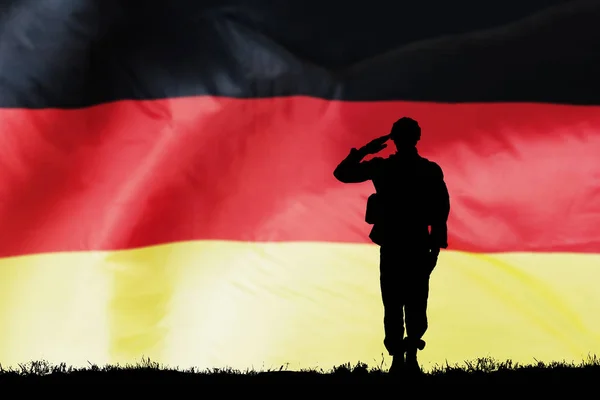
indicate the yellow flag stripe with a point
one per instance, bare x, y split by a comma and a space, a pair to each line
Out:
215, 304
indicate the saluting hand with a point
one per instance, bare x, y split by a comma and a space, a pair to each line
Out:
376, 145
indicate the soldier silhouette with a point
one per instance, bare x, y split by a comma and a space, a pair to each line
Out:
409, 212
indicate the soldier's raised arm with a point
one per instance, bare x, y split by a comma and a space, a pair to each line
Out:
353, 169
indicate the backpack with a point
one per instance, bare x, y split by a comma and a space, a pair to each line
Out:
373, 209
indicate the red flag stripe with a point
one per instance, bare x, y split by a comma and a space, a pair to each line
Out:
522, 177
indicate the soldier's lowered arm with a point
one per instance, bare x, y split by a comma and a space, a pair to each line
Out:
441, 200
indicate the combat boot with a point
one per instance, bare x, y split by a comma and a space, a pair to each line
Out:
398, 362
411, 364
397, 366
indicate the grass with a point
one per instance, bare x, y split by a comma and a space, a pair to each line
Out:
480, 371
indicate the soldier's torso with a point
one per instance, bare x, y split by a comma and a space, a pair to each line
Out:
403, 185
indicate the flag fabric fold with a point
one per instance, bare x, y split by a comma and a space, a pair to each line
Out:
167, 189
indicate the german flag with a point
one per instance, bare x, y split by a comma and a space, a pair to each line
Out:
167, 188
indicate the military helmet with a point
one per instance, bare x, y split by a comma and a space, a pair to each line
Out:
406, 129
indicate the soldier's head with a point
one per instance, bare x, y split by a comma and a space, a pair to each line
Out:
405, 132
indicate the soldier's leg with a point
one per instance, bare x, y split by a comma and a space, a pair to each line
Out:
416, 319
393, 320
416, 309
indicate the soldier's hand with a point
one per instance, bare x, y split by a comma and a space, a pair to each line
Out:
376, 145
433, 254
